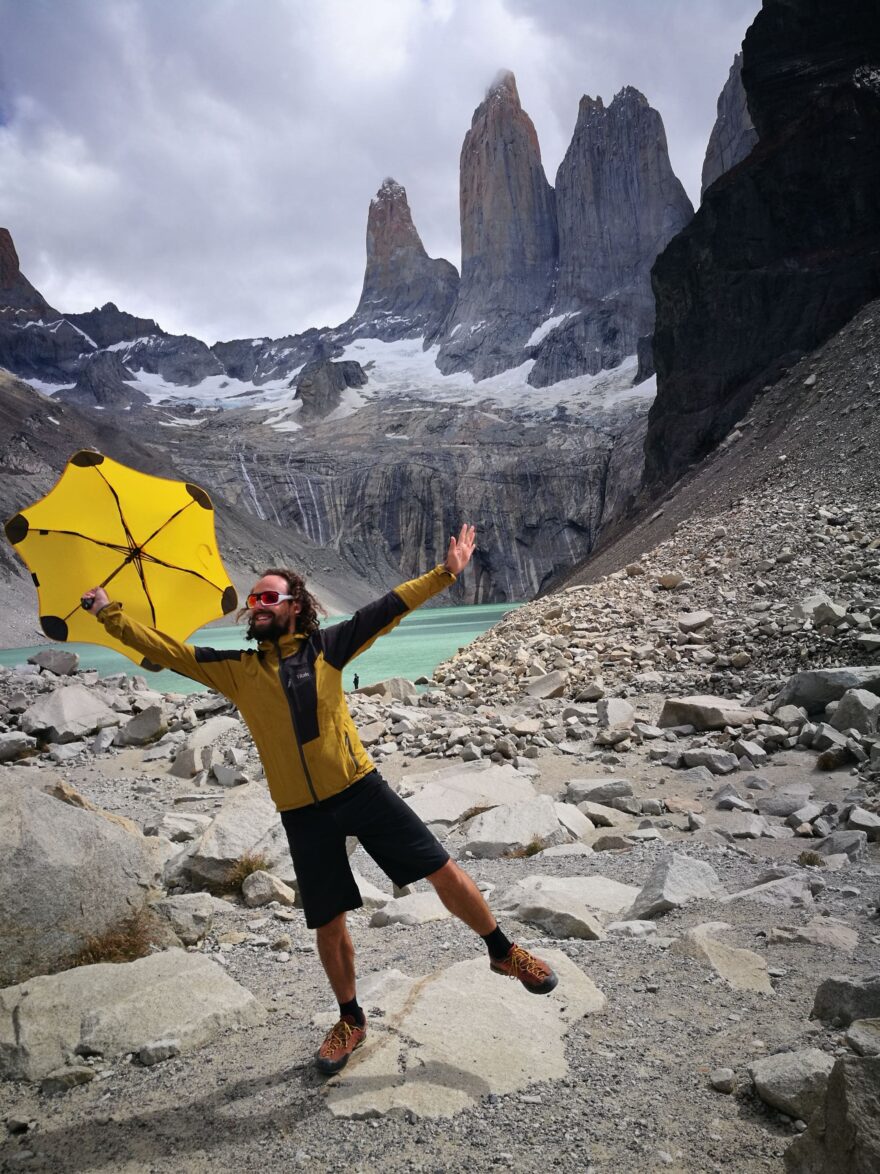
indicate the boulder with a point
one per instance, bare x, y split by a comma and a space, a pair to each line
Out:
793, 1082
790, 892
60, 661
858, 709
560, 915
597, 790
815, 688
190, 915
208, 732
549, 685
15, 745
237, 829
150, 724
822, 931
704, 713
112, 1009
446, 796
613, 712
178, 826
515, 828
863, 1036
392, 689
844, 1138
719, 762
841, 1000
260, 887
674, 882
743, 970
853, 844
603, 816
410, 1063
413, 909
599, 894
67, 714
860, 820
69, 874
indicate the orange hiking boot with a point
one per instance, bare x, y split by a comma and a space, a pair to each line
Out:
535, 975
340, 1041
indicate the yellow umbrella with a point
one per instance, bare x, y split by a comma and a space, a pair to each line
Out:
149, 540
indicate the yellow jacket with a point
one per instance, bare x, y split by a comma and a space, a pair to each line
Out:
290, 692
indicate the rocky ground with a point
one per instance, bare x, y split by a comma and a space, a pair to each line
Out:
613, 820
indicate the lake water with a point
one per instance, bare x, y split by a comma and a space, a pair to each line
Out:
415, 647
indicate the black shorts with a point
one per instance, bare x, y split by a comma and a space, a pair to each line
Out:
387, 828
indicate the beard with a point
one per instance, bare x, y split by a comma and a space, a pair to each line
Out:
273, 630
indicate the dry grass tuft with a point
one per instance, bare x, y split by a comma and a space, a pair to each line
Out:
810, 859
126, 941
529, 850
244, 866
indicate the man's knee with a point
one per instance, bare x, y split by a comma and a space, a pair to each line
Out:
333, 930
446, 874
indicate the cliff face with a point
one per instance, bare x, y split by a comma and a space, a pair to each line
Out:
19, 301
784, 249
406, 293
509, 241
733, 134
618, 204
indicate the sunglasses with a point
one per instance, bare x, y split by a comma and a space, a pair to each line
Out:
266, 598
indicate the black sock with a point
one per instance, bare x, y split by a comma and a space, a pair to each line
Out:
353, 1009
497, 944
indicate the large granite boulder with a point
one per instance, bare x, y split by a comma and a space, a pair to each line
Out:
816, 688
844, 1135
67, 714
69, 874
785, 248
112, 1009
247, 823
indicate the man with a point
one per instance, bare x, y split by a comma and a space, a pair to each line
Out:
289, 692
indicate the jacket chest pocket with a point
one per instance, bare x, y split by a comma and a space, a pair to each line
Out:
302, 694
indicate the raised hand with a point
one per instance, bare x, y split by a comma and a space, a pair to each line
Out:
94, 599
460, 549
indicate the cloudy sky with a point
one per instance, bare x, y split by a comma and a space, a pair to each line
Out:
209, 163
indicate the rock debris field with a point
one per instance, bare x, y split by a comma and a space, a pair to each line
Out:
667, 783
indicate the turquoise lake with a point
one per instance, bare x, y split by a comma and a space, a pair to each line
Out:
413, 649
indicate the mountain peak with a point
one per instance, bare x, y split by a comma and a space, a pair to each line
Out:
17, 295
504, 86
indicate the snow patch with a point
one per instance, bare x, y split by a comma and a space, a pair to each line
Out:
548, 325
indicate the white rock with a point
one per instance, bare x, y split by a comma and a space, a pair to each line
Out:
411, 1052
243, 820
261, 887
414, 909
67, 714
117, 1008
514, 828
793, 1082
674, 882
743, 970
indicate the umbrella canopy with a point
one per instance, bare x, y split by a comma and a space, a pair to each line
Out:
148, 540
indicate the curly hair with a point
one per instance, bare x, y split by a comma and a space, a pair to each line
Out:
307, 621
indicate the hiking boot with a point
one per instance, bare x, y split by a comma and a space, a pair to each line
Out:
340, 1041
535, 975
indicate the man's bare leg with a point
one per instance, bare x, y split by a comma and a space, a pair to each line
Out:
462, 898
336, 951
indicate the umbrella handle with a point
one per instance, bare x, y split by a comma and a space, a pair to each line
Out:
86, 603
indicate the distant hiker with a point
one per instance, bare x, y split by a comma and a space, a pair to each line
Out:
322, 780
357, 680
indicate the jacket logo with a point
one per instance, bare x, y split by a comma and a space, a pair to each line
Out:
302, 675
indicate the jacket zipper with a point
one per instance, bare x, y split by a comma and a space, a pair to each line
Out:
296, 736
351, 750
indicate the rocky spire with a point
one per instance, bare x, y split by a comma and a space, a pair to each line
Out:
406, 293
733, 134
19, 301
618, 204
618, 201
508, 238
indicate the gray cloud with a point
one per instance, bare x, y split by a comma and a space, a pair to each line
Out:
211, 165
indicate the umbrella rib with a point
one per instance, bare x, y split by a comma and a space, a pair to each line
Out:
167, 522
86, 538
128, 533
173, 567
137, 562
